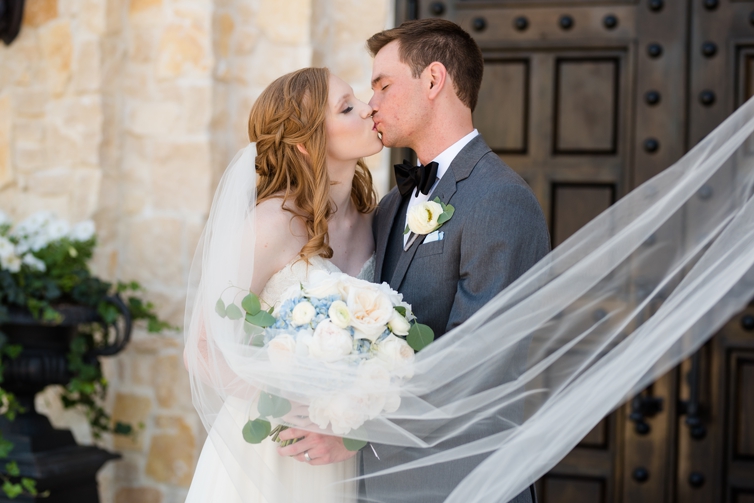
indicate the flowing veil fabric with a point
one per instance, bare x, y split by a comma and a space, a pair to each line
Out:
629, 296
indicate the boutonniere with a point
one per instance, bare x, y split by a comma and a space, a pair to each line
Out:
428, 216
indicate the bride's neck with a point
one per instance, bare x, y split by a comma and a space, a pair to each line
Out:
340, 191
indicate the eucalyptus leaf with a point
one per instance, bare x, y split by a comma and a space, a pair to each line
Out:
354, 445
233, 312
420, 336
273, 405
257, 340
261, 319
442, 219
248, 328
401, 310
251, 304
220, 308
255, 431
449, 210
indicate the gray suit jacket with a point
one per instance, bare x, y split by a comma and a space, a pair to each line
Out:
496, 234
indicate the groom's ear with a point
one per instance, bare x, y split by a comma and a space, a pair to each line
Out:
437, 75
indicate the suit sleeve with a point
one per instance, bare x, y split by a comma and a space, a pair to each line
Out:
503, 237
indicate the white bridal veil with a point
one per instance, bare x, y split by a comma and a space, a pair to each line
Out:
622, 301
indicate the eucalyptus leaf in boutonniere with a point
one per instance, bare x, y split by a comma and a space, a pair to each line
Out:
428, 216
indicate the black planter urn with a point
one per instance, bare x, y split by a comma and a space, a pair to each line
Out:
50, 456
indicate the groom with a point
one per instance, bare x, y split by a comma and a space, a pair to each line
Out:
426, 79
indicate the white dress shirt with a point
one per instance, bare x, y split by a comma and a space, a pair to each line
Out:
443, 161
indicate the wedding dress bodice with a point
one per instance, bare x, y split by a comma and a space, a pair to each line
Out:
297, 271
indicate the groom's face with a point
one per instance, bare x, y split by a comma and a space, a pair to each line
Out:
399, 101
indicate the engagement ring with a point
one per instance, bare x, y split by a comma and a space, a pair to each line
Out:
306, 457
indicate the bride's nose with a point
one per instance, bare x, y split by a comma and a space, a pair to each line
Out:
367, 111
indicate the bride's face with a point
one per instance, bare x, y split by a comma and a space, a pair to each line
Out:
348, 125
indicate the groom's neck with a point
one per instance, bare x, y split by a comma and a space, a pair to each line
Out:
444, 129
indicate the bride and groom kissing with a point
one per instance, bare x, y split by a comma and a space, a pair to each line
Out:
316, 208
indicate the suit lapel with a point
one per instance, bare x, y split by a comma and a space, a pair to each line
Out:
391, 210
445, 189
459, 169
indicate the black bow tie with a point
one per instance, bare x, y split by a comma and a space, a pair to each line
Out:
408, 177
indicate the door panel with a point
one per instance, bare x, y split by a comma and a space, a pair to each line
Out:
504, 105
586, 100
586, 106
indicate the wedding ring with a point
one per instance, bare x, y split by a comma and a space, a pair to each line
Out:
306, 457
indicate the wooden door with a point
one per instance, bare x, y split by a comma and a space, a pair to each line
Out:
587, 99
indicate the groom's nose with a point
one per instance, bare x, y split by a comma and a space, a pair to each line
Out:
373, 104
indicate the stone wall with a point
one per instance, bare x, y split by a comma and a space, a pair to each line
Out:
127, 112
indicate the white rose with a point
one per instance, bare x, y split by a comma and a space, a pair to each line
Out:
302, 314
34, 262
330, 343
397, 356
370, 310
82, 231
281, 349
392, 402
422, 218
398, 324
321, 284
396, 299
6, 248
343, 412
11, 263
4, 218
57, 229
339, 314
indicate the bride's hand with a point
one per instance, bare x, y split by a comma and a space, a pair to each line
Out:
322, 449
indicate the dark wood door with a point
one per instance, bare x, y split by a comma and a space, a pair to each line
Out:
587, 99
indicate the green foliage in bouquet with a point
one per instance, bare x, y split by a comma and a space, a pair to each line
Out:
44, 264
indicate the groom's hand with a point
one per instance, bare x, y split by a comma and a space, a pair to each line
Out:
322, 449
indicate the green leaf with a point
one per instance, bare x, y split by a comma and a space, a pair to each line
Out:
30, 485
122, 428
261, 319
273, 405
257, 430
258, 341
12, 469
251, 304
233, 312
248, 328
420, 336
401, 310
354, 445
11, 489
220, 308
406, 230
13, 350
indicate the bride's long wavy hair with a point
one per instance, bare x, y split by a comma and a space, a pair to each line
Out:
291, 111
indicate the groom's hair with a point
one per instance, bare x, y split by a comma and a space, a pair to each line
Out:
424, 41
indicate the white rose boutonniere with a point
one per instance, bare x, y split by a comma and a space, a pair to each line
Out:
428, 216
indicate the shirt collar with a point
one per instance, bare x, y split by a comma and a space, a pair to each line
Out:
447, 156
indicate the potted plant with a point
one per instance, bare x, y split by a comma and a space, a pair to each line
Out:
56, 320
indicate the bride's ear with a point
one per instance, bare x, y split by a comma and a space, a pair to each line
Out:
301, 149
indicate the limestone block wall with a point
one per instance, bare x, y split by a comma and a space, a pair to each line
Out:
127, 112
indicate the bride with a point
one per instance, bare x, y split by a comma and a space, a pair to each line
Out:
315, 202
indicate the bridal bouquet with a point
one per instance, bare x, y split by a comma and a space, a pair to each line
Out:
340, 323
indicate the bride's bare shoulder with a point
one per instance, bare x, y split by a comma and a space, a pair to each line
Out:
277, 227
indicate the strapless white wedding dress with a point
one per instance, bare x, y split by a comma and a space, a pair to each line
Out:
217, 482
